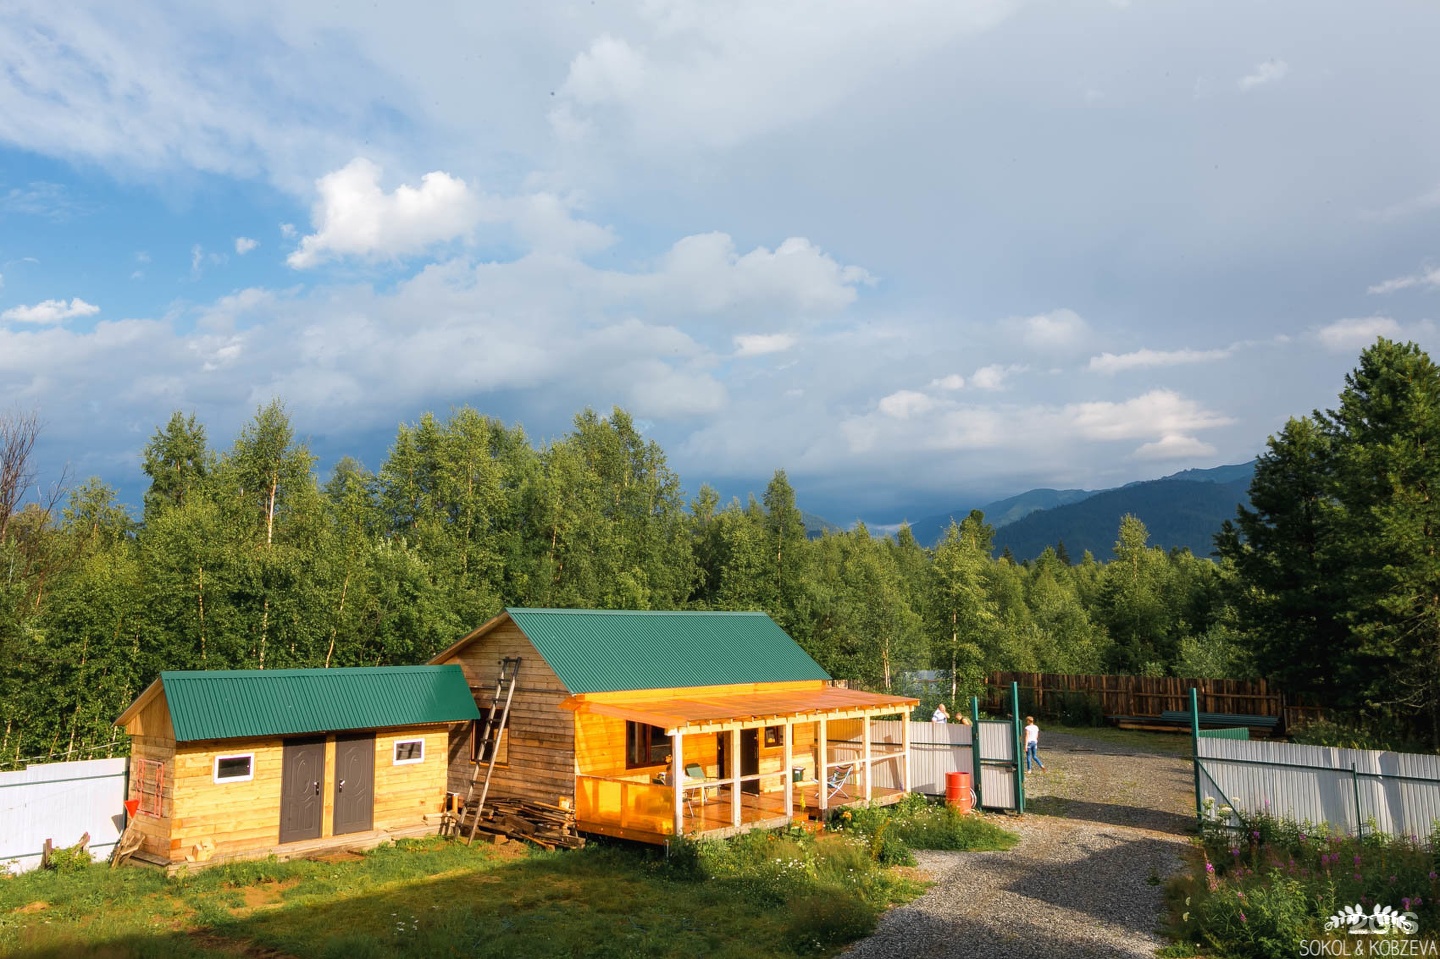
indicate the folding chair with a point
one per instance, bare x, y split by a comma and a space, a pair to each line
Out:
695, 782
836, 781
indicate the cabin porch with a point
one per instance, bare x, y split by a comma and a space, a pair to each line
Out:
723, 763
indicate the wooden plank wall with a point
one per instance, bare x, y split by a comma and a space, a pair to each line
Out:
1146, 696
219, 819
540, 753
600, 751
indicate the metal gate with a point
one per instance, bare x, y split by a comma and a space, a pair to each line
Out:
999, 778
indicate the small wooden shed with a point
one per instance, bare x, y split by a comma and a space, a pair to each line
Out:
656, 724
246, 763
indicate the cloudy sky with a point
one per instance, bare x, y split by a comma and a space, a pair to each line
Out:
918, 253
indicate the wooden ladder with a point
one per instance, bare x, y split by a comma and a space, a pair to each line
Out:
488, 748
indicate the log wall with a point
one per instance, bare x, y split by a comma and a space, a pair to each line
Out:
539, 748
205, 819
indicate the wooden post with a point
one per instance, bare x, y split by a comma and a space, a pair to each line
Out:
865, 734
788, 765
735, 776
822, 769
905, 751
677, 781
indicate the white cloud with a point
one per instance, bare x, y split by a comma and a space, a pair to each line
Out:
1057, 330
1427, 277
1145, 359
758, 344
706, 273
952, 382
355, 217
1349, 335
1270, 71
1159, 412
993, 377
688, 74
243, 244
905, 404
1174, 446
50, 311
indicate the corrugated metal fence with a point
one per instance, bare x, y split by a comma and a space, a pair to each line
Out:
60, 802
1351, 789
940, 748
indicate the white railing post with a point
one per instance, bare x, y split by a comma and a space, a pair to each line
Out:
865, 736
677, 782
822, 772
787, 762
735, 777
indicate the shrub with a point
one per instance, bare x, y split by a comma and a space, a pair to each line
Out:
71, 858
827, 918
1265, 887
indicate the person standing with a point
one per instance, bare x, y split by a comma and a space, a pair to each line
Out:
942, 715
1032, 744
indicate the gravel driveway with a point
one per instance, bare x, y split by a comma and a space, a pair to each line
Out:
1104, 826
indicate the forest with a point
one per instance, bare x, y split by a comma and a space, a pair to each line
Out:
245, 558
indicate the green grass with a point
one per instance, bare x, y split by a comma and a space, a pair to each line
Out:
1141, 740
1268, 889
760, 895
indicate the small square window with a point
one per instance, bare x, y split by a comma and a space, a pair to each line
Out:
409, 751
235, 769
774, 735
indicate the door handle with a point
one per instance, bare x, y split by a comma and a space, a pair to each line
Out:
317, 787
341, 785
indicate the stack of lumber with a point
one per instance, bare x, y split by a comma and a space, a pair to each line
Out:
549, 827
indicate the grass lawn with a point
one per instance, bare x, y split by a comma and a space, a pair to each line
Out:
1141, 740
760, 895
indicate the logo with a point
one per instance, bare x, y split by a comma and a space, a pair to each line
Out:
1382, 920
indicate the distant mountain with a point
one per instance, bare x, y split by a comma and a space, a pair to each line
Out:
1177, 512
931, 529
1215, 474
817, 526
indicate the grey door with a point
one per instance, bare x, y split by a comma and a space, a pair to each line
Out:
302, 784
354, 783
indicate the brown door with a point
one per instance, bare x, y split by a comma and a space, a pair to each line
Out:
302, 784
749, 758
354, 783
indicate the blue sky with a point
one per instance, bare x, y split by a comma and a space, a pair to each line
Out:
918, 254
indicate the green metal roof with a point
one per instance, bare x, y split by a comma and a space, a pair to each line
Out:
594, 651
230, 704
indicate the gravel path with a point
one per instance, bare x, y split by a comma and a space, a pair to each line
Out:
1104, 826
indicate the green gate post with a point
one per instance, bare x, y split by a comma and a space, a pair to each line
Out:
1019, 748
975, 758
1195, 755
1359, 820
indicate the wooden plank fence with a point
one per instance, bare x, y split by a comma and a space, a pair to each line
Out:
1146, 696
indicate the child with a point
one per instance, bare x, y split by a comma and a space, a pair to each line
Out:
1032, 744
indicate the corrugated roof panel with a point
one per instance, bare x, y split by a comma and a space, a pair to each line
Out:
231, 704
595, 651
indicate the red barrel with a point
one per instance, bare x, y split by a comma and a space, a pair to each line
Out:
957, 791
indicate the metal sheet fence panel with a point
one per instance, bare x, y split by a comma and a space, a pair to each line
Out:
60, 802
935, 749
1395, 793
997, 771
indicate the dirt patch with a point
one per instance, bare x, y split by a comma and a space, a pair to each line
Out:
265, 895
339, 855
1085, 779
33, 907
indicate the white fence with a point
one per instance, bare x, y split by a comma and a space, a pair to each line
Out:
1353, 790
60, 802
937, 749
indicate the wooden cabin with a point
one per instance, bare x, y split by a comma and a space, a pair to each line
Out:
656, 724
247, 763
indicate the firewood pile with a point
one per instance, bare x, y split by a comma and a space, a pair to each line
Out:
549, 827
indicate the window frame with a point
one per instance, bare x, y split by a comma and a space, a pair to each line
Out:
773, 736
221, 757
395, 759
662, 746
